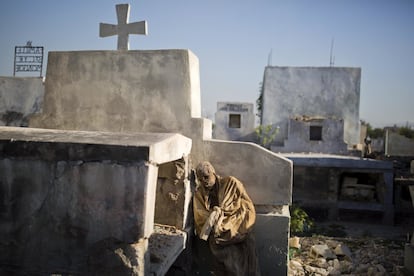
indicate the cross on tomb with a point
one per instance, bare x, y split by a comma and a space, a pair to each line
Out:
123, 29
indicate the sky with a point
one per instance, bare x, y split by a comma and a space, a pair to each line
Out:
235, 40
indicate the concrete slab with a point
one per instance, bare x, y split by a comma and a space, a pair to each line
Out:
165, 245
337, 161
409, 259
411, 188
159, 147
272, 240
63, 191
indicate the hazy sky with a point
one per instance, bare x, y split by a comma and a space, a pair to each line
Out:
233, 40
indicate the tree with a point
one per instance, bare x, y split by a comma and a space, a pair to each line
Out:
374, 133
259, 102
406, 131
266, 134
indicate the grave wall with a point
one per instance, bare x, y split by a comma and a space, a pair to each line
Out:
121, 91
19, 99
266, 175
398, 145
61, 192
331, 139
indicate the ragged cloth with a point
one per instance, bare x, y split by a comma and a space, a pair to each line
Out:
228, 212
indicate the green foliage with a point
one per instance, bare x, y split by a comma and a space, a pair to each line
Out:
406, 131
300, 222
259, 101
375, 133
266, 134
293, 252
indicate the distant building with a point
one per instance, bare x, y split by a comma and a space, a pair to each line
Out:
314, 114
315, 109
234, 121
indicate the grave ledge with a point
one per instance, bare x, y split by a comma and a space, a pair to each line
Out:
165, 244
162, 147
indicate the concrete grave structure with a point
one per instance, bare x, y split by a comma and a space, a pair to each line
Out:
409, 247
19, 99
315, 134
121, 91
345, 183
316, 113
398, 145
234, 121
400, 150
66, 194
329, 94
142, 93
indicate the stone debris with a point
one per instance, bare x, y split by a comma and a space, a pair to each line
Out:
323, 251
294, 242
320, 255
343, 251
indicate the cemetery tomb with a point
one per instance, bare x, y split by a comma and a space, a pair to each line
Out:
66, 194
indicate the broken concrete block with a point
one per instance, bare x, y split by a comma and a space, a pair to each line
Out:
323, 251
409, 259
343, 250
112, 256
294, 242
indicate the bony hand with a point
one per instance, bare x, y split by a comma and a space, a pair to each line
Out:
218, 221
218, 212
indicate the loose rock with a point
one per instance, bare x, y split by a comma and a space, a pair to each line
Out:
348, 256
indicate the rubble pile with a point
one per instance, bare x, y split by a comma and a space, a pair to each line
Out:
320, 255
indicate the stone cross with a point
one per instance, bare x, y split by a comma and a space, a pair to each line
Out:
123, 29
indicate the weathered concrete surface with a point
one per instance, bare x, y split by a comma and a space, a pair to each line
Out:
121, 91
409, 259
331, 92
114, 257
266, 175
87, 187
398, 145
173, 194
332, 137
268, 179
223, 128
157, 147
19, 99
152, 91
337, 161
272, 235
321, 176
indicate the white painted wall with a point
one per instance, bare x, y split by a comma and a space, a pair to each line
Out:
247, 117
331, 92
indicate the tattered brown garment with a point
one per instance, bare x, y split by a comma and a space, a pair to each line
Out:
231, 244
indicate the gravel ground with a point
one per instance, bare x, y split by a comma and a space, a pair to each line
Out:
366, 249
